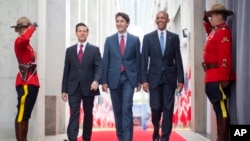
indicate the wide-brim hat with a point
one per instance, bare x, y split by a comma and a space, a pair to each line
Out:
22, 22
218, 8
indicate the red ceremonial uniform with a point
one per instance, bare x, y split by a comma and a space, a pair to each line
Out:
218, 50
26, 55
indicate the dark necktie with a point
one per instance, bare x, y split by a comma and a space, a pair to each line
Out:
122, 47
80, 54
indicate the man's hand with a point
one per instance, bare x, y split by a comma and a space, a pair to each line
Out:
224, 84
205, 18
145, 86
138, 88
94, 86
105, 87
180, 87
64, 97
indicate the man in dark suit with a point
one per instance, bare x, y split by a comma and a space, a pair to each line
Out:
121, 74
81, 76
162, 74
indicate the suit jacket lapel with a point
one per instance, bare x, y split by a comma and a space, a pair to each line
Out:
127, 43
168, 40
117, 44
85, 53
157, 41
75, 53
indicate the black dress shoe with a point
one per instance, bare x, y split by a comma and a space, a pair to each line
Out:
156, 139
156, 135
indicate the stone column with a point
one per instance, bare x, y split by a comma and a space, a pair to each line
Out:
197, 39
75, 6
55, 44
92, 13
41, 46
106, 21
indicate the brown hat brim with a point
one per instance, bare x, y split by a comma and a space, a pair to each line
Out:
20, 25
228, 12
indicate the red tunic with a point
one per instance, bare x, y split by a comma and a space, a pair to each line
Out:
25, 54
218, 50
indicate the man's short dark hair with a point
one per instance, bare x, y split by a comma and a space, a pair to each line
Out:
123, 15
82, 24
165, 13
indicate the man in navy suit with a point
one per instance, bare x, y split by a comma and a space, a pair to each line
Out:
121, 74
162, 72
81, 76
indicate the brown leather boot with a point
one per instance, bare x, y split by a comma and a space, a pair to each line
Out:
21, 129
224, 127
25, 129
225, 124
218, 129
16, 129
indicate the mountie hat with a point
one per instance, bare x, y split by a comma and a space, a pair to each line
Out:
22, 22
218, 8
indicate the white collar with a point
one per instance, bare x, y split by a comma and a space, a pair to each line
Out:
164, 31
124, 34
84, 44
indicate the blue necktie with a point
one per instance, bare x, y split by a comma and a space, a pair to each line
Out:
162, 43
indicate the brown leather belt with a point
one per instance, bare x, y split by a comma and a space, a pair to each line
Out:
209, 66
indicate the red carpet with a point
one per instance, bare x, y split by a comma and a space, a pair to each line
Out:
139, 135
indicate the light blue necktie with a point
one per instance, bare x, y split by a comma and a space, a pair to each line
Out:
162, 43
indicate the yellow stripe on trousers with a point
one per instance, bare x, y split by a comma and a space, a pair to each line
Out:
22, 103
222, 103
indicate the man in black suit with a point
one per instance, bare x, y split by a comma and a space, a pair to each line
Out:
81, 76
162, 74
